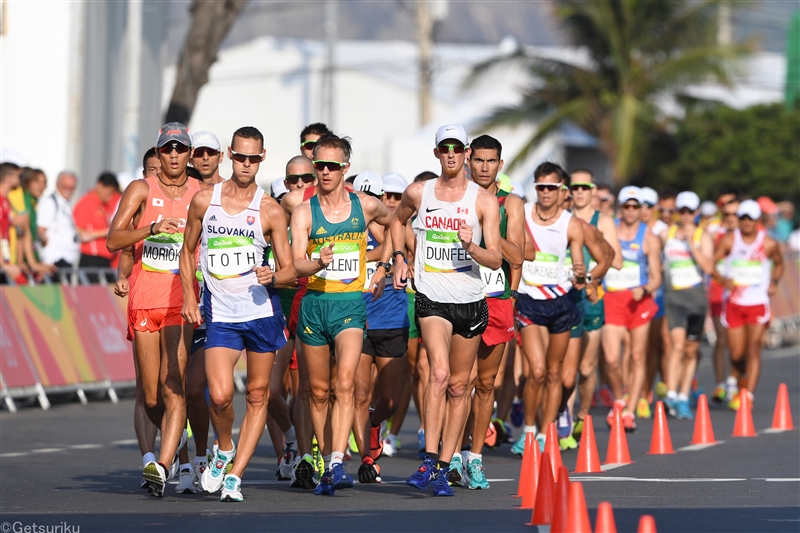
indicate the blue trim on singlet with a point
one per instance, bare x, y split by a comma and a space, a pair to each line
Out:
636, 254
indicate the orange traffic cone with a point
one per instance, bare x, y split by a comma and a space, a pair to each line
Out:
647, 524
588, 458
552, 448
782, 419
560, 508
543, 510
703, 432
531, 477
661, 442
525, 466
578, 519
618, 443
743, 426
605, 519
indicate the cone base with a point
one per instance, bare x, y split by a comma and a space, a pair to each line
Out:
745, 436
661, 453
618, 464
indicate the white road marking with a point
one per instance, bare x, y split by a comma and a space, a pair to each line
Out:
126, 442
13, 454
48, 450
696, 447
778, 479
86, 446
771, 430
612, 466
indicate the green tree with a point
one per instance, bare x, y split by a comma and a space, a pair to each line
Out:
756, 150
631, 54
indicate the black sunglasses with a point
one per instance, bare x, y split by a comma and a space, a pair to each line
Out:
308, 145
200, 152
445, 148
241, 158
393, 195
294, 178
550, 187
170, 146
332, 166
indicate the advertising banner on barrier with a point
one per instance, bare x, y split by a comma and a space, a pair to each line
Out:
49, 330
14, 366
786, 302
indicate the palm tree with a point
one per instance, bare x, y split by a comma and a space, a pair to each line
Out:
630, 54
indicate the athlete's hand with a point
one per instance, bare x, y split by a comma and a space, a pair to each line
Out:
191, 312
167, 225
465, 234
400, 274
12, 271
264, 275
579, 275
121, 287
591, 292
376, 285
326, 255
638, 293
773, 288
728, 284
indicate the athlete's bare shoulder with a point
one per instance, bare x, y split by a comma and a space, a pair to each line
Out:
514, 202
414, 192
204, 185
292, 200
136, 193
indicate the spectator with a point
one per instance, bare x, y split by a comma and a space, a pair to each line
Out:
56, 225
9, 180
24, 200
785, 222
93, 214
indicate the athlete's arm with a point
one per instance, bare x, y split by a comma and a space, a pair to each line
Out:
576, 241
376, 212
301, 229
774, 252
291, 201
124, 269
188, 257
122, 234
703, 253
609, 230
600, 250
489, 216
409, 204
273, 222
513, 245
721, 251
653, 252
378, 233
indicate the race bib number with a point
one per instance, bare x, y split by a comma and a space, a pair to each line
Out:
161, 253
543, 271
495, 281
444, 253
230, 257
345, 266
271, 259
628, 277
371, 268
683, 274
746, 273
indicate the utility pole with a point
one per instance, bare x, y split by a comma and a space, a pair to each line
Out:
724, 25
130, 120
330, 69
425, 41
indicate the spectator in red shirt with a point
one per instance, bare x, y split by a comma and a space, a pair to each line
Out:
93, 214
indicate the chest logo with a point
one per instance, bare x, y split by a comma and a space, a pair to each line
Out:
321, 231
354, 222
462, 210
213, 218
250, 220
158, 202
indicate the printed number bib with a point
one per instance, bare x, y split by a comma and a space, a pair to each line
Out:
495, 281
746, 273
683, 274
371, 268
345, 266
160, 253
541, 272
568, 266
230, 257
444, 253
627, 278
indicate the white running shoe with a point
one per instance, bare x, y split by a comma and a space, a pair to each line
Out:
231, 489
200, 466
173, 468
214, 475
186, 482
390, 445
289, 456
156, 475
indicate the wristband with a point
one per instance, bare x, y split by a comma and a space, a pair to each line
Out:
152, 225
589, 277
386, 266
274, 280
646, 292
515, 295
395, 254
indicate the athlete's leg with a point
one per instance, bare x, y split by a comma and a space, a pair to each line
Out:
720, 347
438, 334
175, 342
556, 349
613, 337
675, 362
146, 431
363, 399
148, 361
569, 369
348, 353
317, 364
588, 371
639, 336
277, 407
463, 352
392, 376
534, 350
196, 405
655, 353
690, 359
754, 333
424, 373
490, 359
504, 392
220, 363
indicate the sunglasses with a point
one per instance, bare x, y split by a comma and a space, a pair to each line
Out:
648, 205
731, 214
549, 187
294, 178
582, 186
445, 148
685, 211
241, 158
308, 145
606, 198
393, 195
631, 206
330, 165
178, 147
201, 152
746, 217
667, 211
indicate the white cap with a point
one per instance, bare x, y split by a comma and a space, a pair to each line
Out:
278, 187
394, 182
205, 139
9, 155
749, 208
451, 131
649, 196
368, 182
687, 199
631, 192
708, 209
518, 189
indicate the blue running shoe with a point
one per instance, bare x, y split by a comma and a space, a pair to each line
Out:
424, 474
684, 412
325, 485
541, 440
340, 478
421, 439
441, 487
517, 414
564, 424
519, 446
670, 406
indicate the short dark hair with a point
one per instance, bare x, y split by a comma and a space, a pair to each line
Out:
584, 170
7, 168
248, 132
334, 141
727, 189
194, 173
667, 193
487, 142
605, 187
425, 176
351, 178
547, 168
27, 175
317, 128
151, 152
109, 180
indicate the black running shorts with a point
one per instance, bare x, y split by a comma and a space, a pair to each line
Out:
468, 320
391, 343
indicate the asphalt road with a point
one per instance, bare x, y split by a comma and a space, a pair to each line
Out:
78, 467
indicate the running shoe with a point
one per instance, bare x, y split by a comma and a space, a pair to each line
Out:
369, 471
341, 480
564, 424
156, 476
618, 404
145, 484
200, 464
629, 422
214, 476
661, 390
454, 475
440, 485
695, 392
316, 455
517, 413
173, 468
375, 442
683, 411
671, 406
568, 443
424, 474
577, 429
352, 446
325, 486
606, 396
720, 394
519, 446
643, 409
231, 489
477, 478
186, 482
421, 440
303, 473
390, 445
508, 436
540, 440
284, 472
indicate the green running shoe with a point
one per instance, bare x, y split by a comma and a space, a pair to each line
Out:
567, 444
477, 479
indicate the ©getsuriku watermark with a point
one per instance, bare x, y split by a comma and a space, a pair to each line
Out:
21, 527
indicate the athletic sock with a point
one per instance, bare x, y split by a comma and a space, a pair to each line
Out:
434, 457
672, 395
149, 457
472, 456
290, 436
683, 397
336, 458
529, 429
442, 465
228, 453
183, 466
731, 381
465, 456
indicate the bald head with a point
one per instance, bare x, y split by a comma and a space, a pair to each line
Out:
66, 184
298, 167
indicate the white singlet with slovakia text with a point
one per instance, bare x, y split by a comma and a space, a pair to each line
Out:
750, 269
232, 247
444, 271
545, 278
